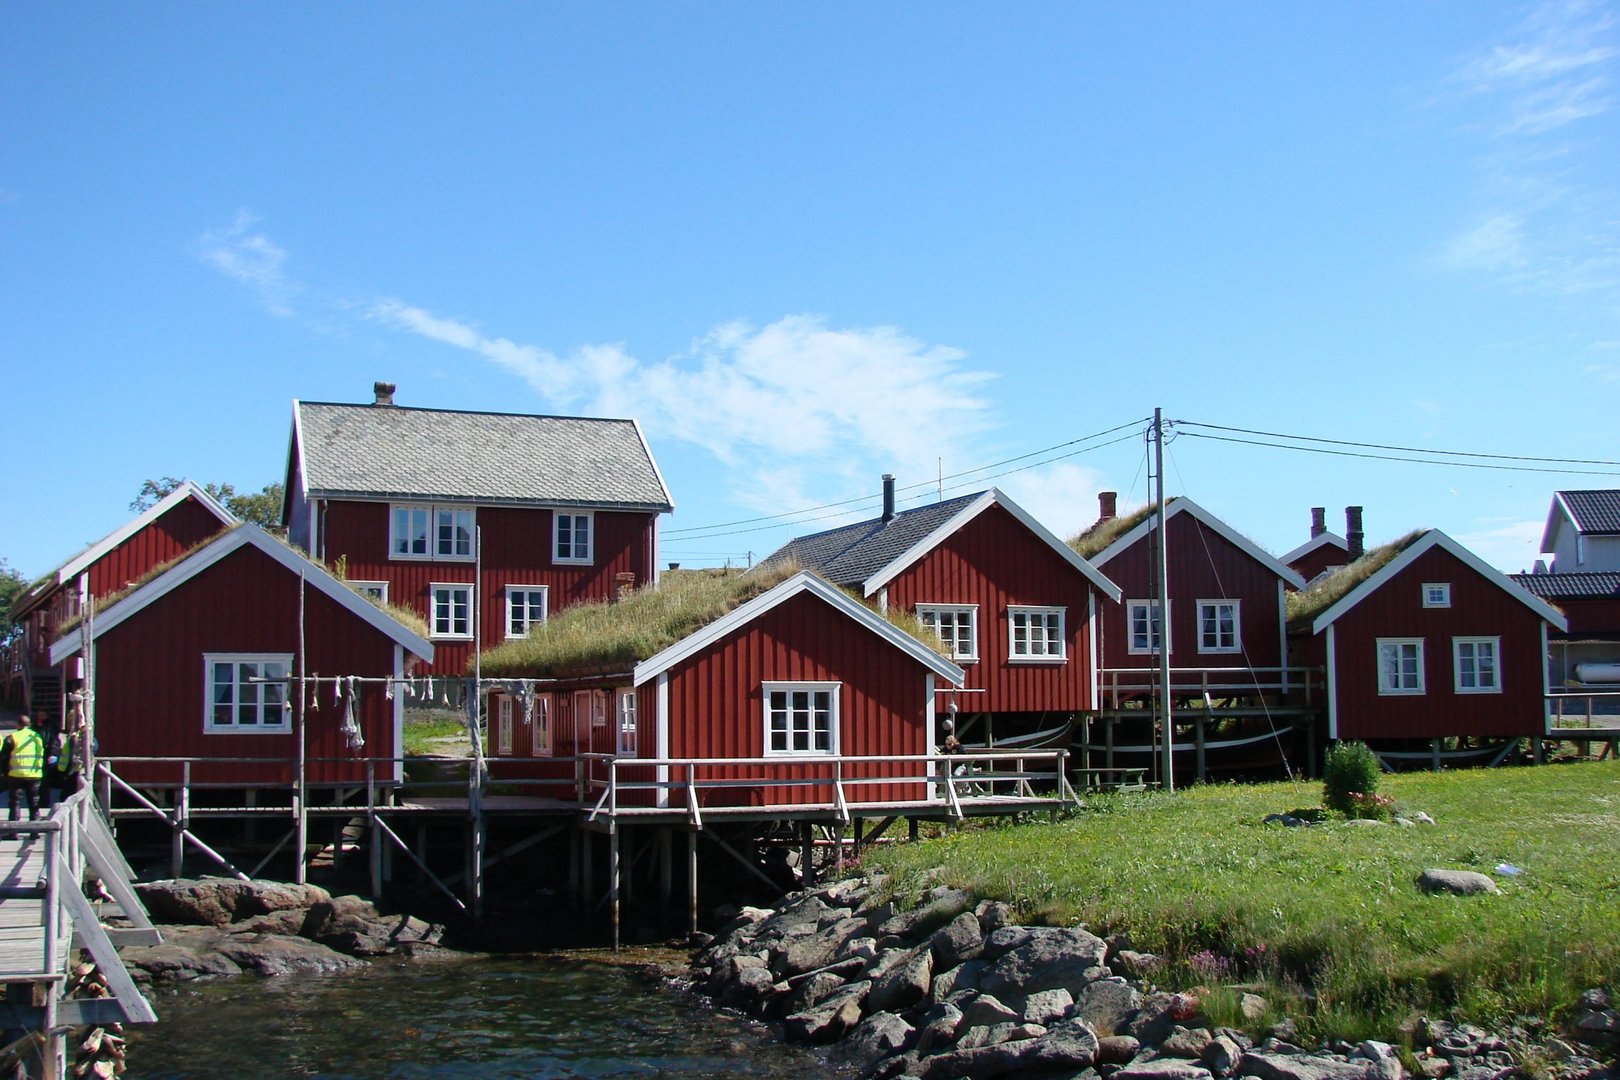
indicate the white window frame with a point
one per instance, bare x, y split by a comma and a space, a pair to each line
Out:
541, 746
626, 709
1149, 607
558, 517
1494, 644
1206, 607
1028, 614
963, 643
1437, 594
433, 611
529, 622
833, 692
1397, 689
431, 549
504, 739
377, 590
263, 704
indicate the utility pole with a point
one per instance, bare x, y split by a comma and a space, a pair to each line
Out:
1161, 572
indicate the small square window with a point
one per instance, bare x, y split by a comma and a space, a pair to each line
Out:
1474, 666
376, 590
1219, 627
1400, 666
1143, 626
1436, 594
801, 718
247, 694
1035, 634
571, 537
957, 626
451, 615
525, 609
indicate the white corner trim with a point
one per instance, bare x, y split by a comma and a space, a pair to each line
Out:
1332, 686
248, 534
1429, 540
803, 581
1180, 504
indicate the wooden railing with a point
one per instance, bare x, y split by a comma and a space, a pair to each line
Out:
1559, 714
1121, 684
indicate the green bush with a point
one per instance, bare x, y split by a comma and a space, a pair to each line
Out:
1351, 769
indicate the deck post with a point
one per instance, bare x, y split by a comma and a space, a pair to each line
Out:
1536, 748
666, 866
182, 822
613, 880
838, 846
911, 829
376, 859
691, 881
1198, 744
858, 823
807, 861
576, 839
1108, 749
1434, 754
588, 879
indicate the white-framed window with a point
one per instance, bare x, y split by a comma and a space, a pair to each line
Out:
1220, 627
525, 609
540, 733
588, 705
571, 536
1400, 665
801, 718
246, 693
957, 626
425, 531
503, 726
627, 722
377, 590
1436, 594
1035, 633
1473, 665
451, 610
1143, 626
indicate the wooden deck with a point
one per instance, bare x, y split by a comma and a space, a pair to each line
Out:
25, 954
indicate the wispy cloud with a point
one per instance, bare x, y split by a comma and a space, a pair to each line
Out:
1547, 219
1511, 548
242, 253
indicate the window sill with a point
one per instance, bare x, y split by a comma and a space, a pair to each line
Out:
1039, 661
450, 637
433, 558
572, 562
1221, 652
1401, 693
1479, 690
257, 729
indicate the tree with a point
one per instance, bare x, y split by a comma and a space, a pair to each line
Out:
12, 586
262, 507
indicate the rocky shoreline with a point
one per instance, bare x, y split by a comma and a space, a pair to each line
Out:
220, 926
951, 988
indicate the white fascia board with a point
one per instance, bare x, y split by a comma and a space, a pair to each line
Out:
1316, 542
993, 497
803, 581
186, 490
669, 500
1432, 539
295, 452
1549, 535
1231, 535
212, 553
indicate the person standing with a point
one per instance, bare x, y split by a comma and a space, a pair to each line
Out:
25, 766
63, 763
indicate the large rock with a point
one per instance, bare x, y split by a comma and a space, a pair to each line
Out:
186, 953
943, 905
958, 980
1455, 882
957, 941
1107, 1004
278, 954
1048, 1005
829, 1020
1163, 1069
980, 1063
1049, 959
939, 1028
750, 989
1067, 1044
879, 1036
222, 901
988, 1011
1303, 1067
905, 983
810, 952
812, 990
353, 925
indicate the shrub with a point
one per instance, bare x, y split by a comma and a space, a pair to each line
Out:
1351, 769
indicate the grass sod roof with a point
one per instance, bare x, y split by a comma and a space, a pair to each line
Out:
1303, 607
1100, 536
611, 637
410, 619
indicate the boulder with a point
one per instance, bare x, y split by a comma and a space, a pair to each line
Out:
1107, 1004
1117, 1049
222, 901
750, 989
1222, 1056
979, 1063
1184, 1042
353, 925
282, 954
185, 954
1050, 959
1046, 1006
993, 915
1455, 882
905, 983
939, 1028
957, 941
1163, 1069
879, 1036
957, 980
729, 971
1303, 1067
943, 905
809, 952
828, 1021
1066, 1045
988, 1011
1135, 964
812, 990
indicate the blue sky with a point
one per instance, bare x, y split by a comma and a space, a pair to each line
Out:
806, 245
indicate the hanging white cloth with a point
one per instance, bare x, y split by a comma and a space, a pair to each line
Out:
525, 693
314, 692
351, 721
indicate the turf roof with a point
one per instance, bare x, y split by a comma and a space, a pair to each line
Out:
1328, 589
1100, 536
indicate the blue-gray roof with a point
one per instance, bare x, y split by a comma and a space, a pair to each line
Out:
852, 553
1578, 586
388, 451
1594, 511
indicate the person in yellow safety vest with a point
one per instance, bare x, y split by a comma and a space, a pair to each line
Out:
25, 765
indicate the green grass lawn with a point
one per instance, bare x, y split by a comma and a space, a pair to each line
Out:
435, 732
1327, 919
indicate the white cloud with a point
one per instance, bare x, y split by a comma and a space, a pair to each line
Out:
1495, 243
1062, 495
250, 257
1511, 548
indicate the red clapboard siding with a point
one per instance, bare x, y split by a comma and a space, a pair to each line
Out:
1323, 558
185, 525
994, 561
1204, 565
246, 603
717, 707
516, 551
1478, 608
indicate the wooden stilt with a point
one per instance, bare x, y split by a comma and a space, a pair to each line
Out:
1200, 763
666, 866
838, 847
177, 842
575, 842
1536, 750
1108, 748
911, 826
613, 881
858, 823
587, 879
692, 881
807, 860
376, 858
1434, 754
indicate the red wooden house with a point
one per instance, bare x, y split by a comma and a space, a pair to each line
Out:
1432, 644
785, 688
215, 657
1227, 627
1013, 605
1326, 551
1583, 538
484, 523
179, 521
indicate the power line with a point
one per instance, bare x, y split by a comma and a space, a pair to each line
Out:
1402, 449
1407, 460
708, 531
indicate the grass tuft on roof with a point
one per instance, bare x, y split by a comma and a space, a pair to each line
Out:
611, 637
1328, 589
1100, 536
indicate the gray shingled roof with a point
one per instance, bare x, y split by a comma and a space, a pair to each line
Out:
394, 452
851, 554
1595, 511
1580, 586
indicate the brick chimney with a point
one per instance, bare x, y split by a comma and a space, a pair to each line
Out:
888, 496
1354, 538
624, 583
1318, 521
1107, 505
385, 393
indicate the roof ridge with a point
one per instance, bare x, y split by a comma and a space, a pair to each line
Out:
470, 412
